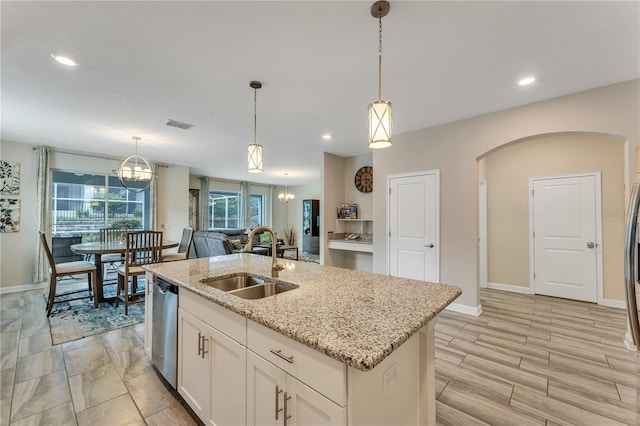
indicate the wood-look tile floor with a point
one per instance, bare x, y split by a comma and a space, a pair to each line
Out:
526, 360
535, 360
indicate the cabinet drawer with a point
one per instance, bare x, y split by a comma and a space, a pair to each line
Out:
320, 372
226, 321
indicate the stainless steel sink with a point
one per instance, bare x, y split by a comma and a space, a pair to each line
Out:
262, 290
233, 283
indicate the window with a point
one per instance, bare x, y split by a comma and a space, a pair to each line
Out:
226, 210
83, 203
256, 216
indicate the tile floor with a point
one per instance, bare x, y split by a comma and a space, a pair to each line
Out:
103, 380
527, 360
535, 360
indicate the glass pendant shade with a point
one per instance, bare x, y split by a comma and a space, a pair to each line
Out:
255, 158
133, 171
380, 124
286, 197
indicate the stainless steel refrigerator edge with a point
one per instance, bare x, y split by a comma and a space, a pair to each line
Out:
164, 340
631, 269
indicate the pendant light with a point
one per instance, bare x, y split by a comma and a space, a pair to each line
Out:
134, 172
380, 119
286, 196
255, 150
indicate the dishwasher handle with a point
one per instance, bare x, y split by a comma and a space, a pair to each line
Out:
164, 286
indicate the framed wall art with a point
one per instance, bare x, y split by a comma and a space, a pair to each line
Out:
9, 178
9, 215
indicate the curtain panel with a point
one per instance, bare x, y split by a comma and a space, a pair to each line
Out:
43, 197
204, 203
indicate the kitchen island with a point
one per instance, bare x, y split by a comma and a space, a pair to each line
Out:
343, 347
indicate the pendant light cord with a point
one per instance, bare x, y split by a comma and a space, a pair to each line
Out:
380, 58
255, 114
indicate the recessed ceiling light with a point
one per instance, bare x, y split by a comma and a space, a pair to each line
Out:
526, 81
64, 60
326, 137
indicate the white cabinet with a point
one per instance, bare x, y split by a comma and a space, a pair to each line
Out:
232, 371
193, 367
276, 398
211, 369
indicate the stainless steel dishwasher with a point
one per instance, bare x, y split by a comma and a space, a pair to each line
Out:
164, 340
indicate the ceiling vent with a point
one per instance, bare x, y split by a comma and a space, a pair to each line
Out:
178, 124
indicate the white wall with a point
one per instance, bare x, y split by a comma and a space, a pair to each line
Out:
18, 249
173, 201
455, 148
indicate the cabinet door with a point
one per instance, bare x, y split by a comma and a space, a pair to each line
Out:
308, 407
193, 369
265, 392
228, 366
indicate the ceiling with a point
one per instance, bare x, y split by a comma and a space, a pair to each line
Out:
141, 63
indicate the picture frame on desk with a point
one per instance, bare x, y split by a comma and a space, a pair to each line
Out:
348, 211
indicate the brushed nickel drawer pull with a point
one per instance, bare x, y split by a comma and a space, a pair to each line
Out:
278, 392
285, 416
279, 354
204, 339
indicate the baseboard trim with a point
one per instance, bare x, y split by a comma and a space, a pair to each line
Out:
510, 287
613, 303
25, 287
465, 309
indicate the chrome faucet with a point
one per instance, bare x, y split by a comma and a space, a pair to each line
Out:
275, 267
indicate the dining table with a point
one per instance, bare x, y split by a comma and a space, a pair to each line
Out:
97, 249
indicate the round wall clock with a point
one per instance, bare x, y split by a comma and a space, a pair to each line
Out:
364, 179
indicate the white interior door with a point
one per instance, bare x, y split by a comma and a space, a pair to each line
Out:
413, 226
565, 217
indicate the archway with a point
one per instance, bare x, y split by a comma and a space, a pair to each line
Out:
506, 170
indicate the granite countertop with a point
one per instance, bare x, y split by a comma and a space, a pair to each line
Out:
364, 239
355, 317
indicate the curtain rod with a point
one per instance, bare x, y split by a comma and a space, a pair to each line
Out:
266, 185
100, 157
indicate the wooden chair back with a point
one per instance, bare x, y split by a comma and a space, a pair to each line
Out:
47, 251
185, 241
143, 248
108, 235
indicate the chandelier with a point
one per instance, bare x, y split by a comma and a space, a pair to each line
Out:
255, 150
134, 172
380, 119
286, 196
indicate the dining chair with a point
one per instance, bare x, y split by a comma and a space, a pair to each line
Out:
66, 269
183, 247
142, 248
110, 260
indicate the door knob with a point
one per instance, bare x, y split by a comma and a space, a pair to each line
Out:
591, 244
429, 245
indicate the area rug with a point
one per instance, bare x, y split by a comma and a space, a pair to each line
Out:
79, 318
